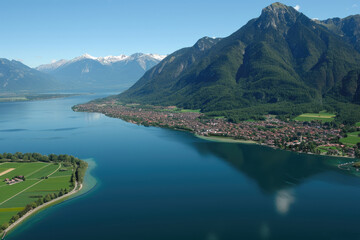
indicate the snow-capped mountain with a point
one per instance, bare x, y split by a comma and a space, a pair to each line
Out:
51, 66
103, 60
101, 72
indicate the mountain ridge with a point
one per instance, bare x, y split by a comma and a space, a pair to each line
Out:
103, 60
280, 58
95, 73
15, 76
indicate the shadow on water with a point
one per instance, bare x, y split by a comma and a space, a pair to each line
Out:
272, 169
13, 130
62, 129
161, 184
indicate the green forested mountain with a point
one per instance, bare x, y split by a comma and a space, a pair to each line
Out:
15, 76
282, 63
348, 28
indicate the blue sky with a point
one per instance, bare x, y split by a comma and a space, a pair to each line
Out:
39, 31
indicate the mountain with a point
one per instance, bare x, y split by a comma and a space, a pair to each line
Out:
87, 71
348, 28
15, 76
281, 62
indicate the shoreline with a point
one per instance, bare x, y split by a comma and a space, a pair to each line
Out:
215, 138
225, 139
249, 142
43, 207
89, 183
35, 97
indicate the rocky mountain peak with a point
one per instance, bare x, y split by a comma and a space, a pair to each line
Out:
206, 42
276, 15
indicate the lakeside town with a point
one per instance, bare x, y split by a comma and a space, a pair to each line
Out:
305, 137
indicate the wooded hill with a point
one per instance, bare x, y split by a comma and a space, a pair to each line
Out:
282, 63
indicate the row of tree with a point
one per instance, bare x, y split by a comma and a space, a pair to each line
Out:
32, 206
78, 175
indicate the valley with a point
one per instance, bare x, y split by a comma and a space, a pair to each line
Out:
189, 120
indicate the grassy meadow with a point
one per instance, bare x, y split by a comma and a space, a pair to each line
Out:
321, 116
351, 139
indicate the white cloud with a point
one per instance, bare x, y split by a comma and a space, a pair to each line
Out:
297, 7
283, 201
53, 61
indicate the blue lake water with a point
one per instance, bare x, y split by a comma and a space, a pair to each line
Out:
157, 184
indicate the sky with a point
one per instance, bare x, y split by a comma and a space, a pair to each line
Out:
41, 31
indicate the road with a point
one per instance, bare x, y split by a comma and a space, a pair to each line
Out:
75, 190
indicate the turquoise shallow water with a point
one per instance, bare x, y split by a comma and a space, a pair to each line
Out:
157, 184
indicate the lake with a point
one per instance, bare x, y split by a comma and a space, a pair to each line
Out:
158, 184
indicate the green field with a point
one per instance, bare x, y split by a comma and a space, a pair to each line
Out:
190, 110
40, 179
9, 97
324, 150
182, 110
321, 116
13, 99
351, 139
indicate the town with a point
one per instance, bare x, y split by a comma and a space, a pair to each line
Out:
306, 137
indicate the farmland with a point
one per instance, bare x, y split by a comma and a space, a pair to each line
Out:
321, 116
352, 138
41, 179
11, 97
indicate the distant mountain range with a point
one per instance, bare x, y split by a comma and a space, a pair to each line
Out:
281, 62
87, 71
15, 76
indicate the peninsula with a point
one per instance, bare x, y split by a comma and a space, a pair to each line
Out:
30, 182
313, 137
21, 97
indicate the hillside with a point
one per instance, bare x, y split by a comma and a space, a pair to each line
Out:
348, 28
282, 63
88, 72
15, 76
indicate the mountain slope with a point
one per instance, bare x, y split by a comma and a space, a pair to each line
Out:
104, 72
279, 58
15, 76
348, 28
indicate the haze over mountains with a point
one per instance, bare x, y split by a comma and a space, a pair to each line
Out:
15, 76
280, 62
85, 73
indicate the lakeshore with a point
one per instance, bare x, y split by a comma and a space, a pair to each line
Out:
88, 184
225, 139
155, 177
43, 207
40, 181
8, 97
304, 137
